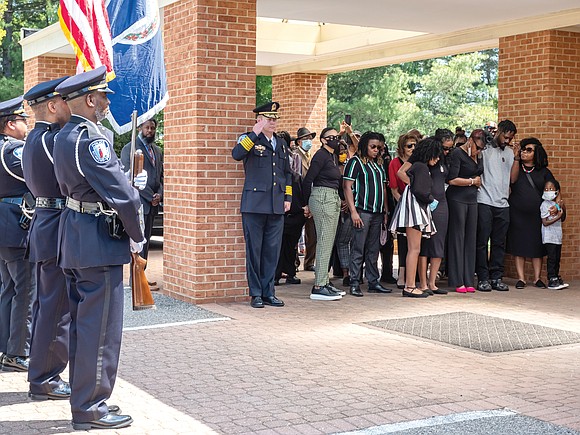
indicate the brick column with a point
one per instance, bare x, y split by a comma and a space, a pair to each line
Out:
210, 52
44, 68
539, 89
303, 101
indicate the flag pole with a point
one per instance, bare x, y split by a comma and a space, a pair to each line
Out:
133, 144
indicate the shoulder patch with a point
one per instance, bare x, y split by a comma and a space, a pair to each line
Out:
100, 151
241, 138
18, 153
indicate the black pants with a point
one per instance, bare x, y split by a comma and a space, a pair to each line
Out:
492, 225
461, 243
553, 262
365, 247
293, 224
148, 218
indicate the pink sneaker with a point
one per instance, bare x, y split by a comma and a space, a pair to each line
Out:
461, 289
470, 289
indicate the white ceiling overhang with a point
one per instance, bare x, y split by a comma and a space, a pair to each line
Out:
328, 36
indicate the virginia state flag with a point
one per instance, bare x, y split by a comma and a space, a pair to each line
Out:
140, 82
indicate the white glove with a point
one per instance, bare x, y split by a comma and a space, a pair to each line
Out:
136, 247
140, 180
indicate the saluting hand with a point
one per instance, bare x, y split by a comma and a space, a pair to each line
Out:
259, 125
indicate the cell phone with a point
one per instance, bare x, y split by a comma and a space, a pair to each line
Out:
348, 119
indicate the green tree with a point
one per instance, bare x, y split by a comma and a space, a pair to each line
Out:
428, 94
263, 89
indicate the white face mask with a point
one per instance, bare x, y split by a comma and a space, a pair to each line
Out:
306, 144
549, 195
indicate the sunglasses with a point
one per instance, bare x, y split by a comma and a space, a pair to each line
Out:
20, 119
458, 144
527, 150
411, 145
374, 147
447, 148
331, 137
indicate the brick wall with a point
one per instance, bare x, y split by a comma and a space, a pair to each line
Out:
303, 101
44, 68
210, 52
539, 89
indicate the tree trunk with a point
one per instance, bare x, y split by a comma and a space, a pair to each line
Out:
7, 42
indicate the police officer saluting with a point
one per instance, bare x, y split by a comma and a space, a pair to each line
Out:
91, 249
18, 278
49, 348
266, 197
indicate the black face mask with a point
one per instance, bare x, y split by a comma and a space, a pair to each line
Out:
334, 144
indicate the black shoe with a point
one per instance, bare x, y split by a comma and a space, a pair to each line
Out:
109, 421
333, 289
496, 284
324, 294
346, 281
388, 279
14, 364
484, 286
276, 282
60, 392
520, 284
355, 291
257, 302
375, 287
540, 284
293, 280
408, 293
309, 269
439, 291
273, 301
114, 409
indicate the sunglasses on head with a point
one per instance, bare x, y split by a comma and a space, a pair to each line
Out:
411, 145
527, 150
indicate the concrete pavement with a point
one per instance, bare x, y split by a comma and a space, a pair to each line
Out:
315, 368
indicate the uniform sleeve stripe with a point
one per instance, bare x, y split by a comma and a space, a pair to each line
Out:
288, 190
247, 143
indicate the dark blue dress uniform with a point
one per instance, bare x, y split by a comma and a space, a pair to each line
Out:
18, 278
88, 172
51, 320
267, 185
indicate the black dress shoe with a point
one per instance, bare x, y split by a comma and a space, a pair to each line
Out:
346, 281
109, 421
309, 269
257, 302
114, 409
355, 291
293, 280
375, 287
272, 301
60, 392
276, 282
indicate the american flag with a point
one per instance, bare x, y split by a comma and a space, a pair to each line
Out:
85, 24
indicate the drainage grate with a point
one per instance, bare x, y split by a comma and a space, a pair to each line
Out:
479, 332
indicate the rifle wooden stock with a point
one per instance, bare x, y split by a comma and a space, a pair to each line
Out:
142, 298
140, 291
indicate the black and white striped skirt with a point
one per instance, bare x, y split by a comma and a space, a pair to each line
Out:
409, 213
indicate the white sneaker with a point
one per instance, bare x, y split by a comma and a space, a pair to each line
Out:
324, 294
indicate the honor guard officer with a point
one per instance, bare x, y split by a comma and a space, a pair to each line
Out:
18, 278
266, 197
49, 347
93, 247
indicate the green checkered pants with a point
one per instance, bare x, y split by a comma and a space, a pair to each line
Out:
324, 205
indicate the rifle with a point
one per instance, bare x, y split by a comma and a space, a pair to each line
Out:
140, 291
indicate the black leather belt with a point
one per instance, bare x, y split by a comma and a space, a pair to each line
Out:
17, 201
55, 203
84, 207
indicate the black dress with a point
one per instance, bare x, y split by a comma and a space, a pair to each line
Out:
524, 237
434, 247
